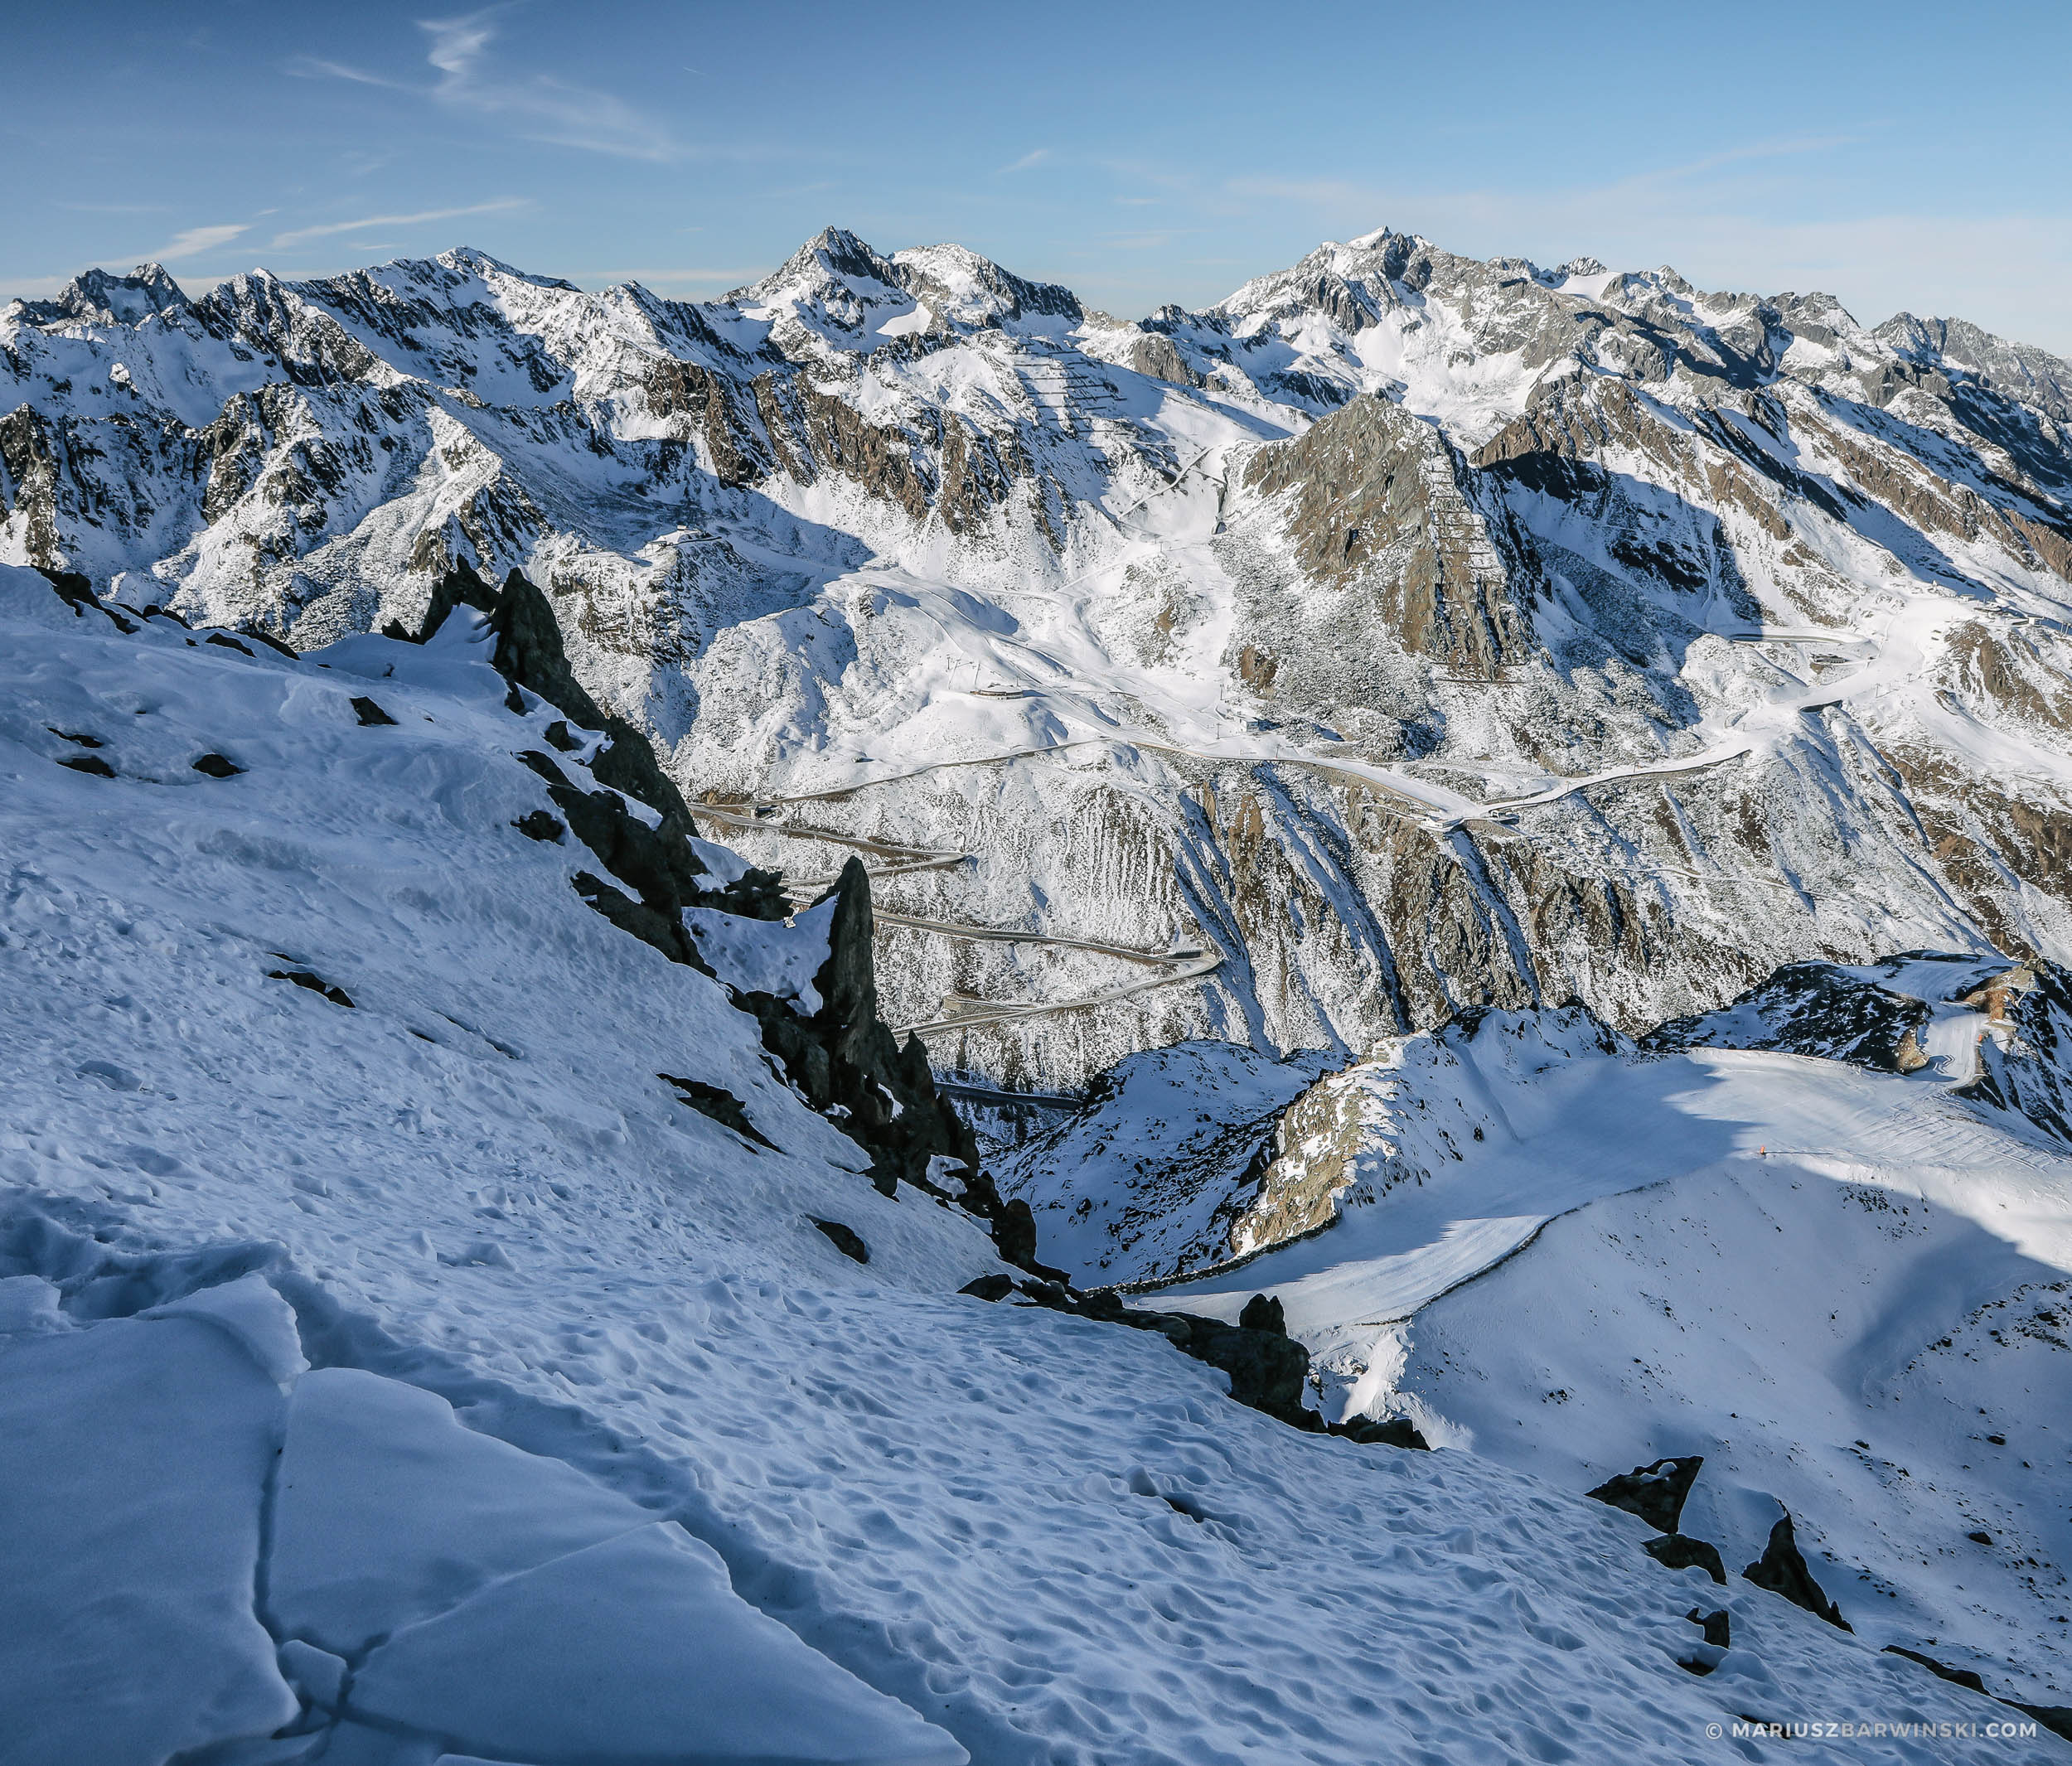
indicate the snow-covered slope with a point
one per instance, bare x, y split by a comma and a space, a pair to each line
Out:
395, 1368
1405, 632
1837, 1272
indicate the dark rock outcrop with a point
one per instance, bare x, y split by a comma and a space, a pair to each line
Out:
1263, 1312
218, 766
1956, 1676
1655, 1492
371, 715
849, 1065
723, 1107
1812, 1008
1718, 1626
2056, 1718
1395, 1431
843, 1057
1679, 1551
1782, 1570
845, 1239
1268, 1370
1014, 1237
315, 983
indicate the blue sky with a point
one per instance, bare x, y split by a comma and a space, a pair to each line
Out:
1901, 155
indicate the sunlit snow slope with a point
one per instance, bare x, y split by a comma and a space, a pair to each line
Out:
1847, 1289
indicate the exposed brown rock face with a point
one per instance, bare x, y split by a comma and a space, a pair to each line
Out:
30, 483
1381, 508
716, 414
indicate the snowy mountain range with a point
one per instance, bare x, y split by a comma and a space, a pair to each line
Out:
1406, 633
1485, 849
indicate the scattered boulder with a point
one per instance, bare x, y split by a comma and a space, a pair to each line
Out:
1782, 1570
218, 766
724, 1108
1263, 1312
371, 715
1679, 1551
1268, 1372
1980, 1538
1718, 1626
1015, 1238
1655, 1492
74, 589
1015, 1232
315, 983
1396, 1432
844, 1239
1957, 1676
257, 637
89, 763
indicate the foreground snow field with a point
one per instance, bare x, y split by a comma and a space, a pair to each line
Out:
417, 1378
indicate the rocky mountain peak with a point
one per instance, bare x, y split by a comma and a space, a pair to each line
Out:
959, 285
98, 296
833, 255
476, 262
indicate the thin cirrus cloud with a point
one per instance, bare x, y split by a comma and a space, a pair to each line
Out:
543, 108
194, 242
298, 236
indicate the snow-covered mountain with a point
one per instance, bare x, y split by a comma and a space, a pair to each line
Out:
438, 1322
1406, 633
1509, 825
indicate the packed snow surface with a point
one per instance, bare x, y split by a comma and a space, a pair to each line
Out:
417, 1378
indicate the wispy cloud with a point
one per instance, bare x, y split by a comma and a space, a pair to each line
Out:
194, 242
541, 107
296, 236
1038, 157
